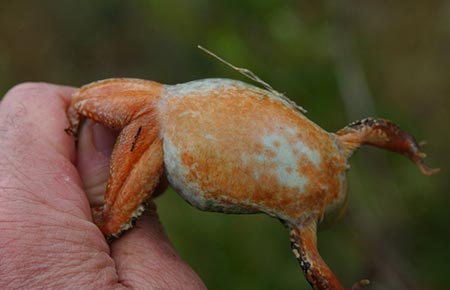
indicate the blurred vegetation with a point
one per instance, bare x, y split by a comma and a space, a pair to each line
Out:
340, 60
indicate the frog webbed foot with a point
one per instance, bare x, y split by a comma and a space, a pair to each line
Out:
304, 247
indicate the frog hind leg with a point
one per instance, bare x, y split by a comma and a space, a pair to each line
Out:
136, 165
135, 172
384, 134
108, 102
304, 247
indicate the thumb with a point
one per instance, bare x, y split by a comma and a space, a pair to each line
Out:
94, 150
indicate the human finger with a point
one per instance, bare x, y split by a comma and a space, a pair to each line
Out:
144, 256
36, 152
47, 240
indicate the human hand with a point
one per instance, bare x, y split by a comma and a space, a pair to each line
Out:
47, 237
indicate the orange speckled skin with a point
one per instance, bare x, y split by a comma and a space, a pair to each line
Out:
230, 147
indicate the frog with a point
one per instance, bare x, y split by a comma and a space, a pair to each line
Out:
227, 146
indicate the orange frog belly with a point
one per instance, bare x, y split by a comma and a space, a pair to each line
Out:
235, 148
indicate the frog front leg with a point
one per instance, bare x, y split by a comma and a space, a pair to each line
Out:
304, 247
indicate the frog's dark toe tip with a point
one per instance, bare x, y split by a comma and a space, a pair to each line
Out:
360, 284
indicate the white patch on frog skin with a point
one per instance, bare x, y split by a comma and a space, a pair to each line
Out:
209, 137
207, 87
286, 158
191, 191
176, 174
197, 87
189, 112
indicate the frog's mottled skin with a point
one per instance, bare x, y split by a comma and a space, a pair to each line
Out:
230, 147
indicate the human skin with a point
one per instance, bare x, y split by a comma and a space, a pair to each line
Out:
47, 237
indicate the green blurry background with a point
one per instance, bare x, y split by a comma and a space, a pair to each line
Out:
341, 60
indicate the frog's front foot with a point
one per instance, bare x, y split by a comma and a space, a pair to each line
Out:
304, 247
